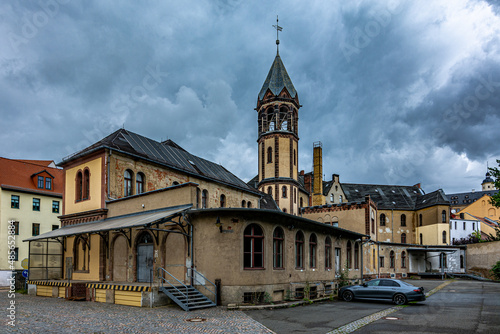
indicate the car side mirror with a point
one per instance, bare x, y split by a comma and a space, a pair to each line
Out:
365, 285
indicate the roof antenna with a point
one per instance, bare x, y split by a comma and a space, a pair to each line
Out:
278, 29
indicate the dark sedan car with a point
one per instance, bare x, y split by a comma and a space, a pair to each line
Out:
399, 292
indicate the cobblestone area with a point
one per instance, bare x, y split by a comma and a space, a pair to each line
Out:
55, 315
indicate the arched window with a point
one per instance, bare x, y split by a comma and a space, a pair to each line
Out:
313, 243
86, 184
139, 183
249, 204
270, 190
403, 220
204, 199
299, 250
340, 198
278, 239
382, 219
421, 239
391, 256
284, 191
284, 210
127, 183
349, 255
175, 183
444, 237
253, 247
198, 198
443, 216
294, 157
328, 253
301, 202
79, 186
420, 220
403, 259
145, 238
403, 238
81, 256
356, 256
295, 195
269, 154
222, 201
243, 204
332, 198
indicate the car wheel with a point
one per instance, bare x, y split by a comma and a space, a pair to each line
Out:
348, 296
399, 299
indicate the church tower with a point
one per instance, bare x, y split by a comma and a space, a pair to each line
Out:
278, 115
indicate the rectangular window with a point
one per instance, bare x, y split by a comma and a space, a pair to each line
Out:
35, 230
48, 183
16, 254
381, 262
36, 204
40, 182
464, 226
14, 201
473, 226
55, 206
16, 228
55, 227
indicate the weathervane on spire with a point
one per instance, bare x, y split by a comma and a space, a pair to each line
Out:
278, 29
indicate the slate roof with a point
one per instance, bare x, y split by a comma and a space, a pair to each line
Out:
277, 79
469, 197
394, 197
166, 153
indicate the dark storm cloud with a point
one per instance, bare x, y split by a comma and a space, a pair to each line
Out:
377, 81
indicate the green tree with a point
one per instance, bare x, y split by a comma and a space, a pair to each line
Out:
495, 173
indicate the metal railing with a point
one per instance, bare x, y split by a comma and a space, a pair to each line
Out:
194, 278
192, 274
162, 272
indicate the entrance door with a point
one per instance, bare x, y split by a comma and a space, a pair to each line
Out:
145, 258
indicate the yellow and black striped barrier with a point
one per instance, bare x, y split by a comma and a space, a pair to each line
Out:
134, 288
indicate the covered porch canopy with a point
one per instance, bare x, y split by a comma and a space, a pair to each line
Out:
46, 250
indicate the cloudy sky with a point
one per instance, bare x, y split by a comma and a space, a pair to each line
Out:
400, 92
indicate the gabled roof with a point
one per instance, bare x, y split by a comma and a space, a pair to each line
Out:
434, 198
167, 153
17, 174
277, 79
386, 196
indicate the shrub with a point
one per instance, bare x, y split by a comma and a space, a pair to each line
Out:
496, 270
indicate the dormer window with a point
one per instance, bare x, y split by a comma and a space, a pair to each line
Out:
40, 182
48, 183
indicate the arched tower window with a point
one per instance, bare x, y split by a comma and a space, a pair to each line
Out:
284, 192
444, 237
243, 204
249, 204
403, 238
443, 216
420, 220
269, 154
391, 256
270, 190
356, 256
403, 220
222, 201
198, 198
